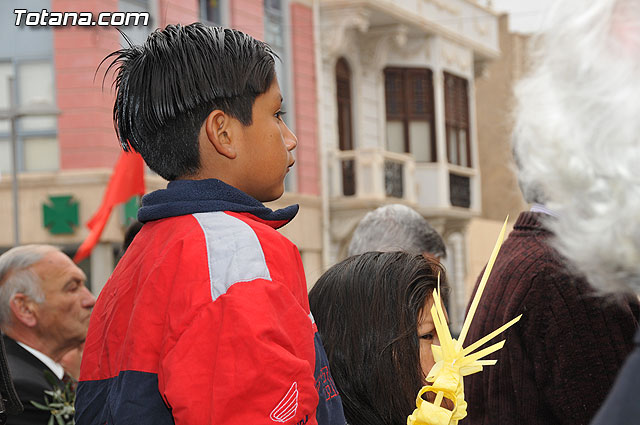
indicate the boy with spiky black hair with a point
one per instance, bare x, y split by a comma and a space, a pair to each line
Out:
206, 318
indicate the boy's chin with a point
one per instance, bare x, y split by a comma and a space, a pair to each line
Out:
272, 195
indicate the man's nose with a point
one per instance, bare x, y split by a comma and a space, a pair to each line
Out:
88, 299
290, 139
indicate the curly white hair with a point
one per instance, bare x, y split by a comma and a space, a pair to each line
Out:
577, 136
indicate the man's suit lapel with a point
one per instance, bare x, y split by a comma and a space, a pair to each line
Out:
14, 349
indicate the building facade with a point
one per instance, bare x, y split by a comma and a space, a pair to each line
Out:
501, 196
382, 95
398, 117
64, 158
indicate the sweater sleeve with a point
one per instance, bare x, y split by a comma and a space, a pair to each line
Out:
577, 342
243, 359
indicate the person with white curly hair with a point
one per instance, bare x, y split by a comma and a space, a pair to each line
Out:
578, 135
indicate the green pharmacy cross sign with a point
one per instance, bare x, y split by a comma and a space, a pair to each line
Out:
61, 215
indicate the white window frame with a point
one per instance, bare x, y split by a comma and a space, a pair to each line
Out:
22, 134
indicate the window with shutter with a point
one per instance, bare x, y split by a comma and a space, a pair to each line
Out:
456, 101
345, 128
343, 91
410, 112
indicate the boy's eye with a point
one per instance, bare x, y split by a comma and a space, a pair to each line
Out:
279, 114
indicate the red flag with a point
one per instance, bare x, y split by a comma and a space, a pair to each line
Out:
126, 181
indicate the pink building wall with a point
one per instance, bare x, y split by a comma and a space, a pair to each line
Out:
86, 135
178, 12
85, 128
248, 16
304, 83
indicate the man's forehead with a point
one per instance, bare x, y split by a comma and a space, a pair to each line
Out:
56, 264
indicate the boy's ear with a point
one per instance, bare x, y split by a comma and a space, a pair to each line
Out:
218, 130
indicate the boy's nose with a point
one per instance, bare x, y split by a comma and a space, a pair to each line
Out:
290, 139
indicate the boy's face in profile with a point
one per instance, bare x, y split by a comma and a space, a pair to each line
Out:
265, 148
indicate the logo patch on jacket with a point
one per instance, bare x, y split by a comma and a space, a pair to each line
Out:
287, 407
325, 384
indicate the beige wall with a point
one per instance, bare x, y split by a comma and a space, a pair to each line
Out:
494, 97
88, 186
481, 236
305, 230
500, 192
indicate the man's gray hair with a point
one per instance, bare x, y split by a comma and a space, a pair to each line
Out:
396, 227
577, 133
17, 277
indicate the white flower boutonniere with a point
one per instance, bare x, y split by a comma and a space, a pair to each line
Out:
59, 401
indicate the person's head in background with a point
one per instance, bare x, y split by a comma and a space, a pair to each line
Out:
396, 227
577, 135
44, 302
373, 314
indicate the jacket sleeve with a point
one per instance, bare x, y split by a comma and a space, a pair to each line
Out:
244, 358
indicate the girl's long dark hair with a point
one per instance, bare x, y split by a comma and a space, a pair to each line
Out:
366, 309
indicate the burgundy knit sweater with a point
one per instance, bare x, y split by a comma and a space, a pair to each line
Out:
561, 359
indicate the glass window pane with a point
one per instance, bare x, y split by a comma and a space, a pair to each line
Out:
6, 70
344, 126
343, 92
5, 156
136, 33
420, 140
41, 154
348, 177
273, 30
35, 88
395, 136
393, 179
5, 127
462, 143
453, 147
273, 4
213, 12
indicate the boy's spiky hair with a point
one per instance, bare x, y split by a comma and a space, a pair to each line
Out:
166, 88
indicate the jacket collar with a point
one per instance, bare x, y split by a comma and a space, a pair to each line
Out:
182, 197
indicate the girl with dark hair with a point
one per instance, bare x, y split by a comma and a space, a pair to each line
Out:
373, 314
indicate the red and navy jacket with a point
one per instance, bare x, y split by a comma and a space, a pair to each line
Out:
206, 320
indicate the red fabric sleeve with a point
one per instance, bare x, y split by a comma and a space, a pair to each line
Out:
245, 358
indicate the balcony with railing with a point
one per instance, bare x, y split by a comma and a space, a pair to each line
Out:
373, 174
378, 176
